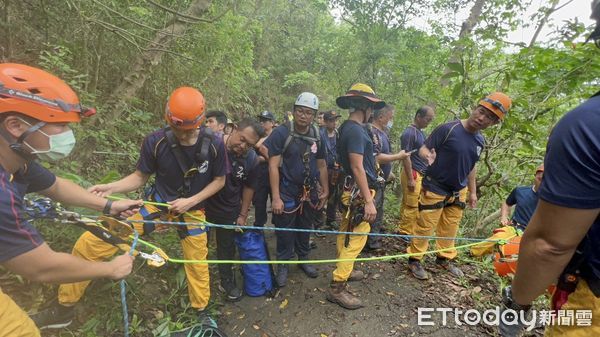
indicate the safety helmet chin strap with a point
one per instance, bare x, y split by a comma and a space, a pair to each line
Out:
18, 146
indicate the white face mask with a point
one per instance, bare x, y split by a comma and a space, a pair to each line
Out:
61, 146
390, 124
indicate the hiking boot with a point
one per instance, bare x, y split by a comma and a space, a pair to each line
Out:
449, 266
417, 270
56, 316
356, 275
282, 275
309, 270
312, 244
232, 292
337, 293
319, 234
205, 319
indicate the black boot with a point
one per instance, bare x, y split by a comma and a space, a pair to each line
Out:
282, 275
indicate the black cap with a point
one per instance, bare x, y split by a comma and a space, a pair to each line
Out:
267, 115
329, 115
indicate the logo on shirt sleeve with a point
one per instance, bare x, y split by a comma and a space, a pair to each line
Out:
204, 167
479, 148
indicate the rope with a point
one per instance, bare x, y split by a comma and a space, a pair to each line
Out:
123, 286
358, 259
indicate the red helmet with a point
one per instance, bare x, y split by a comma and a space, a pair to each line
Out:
38, 94
185, 108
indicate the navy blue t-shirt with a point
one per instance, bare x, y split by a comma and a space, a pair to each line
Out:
291, 173
526, 201
156, 157
457, 151
329, 145
354, 138
224, 206
572, 169
412, 139
17, 235
381, 144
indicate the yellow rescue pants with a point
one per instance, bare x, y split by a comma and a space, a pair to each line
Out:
487, 247
409, 208
581, 299
356, 243
91, 248
444, 221
14, 322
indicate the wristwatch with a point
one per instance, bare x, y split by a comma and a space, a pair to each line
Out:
510, 303
107, 207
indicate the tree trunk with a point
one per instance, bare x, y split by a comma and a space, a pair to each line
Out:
150, 57
465, 31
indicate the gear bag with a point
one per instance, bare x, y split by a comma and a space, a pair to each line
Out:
258, 278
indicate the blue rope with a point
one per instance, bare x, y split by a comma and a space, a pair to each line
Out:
234, 226
123, 288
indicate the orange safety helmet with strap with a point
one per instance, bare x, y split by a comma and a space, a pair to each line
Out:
497, 102
37, 94
185, 108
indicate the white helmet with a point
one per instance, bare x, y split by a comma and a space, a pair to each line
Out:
308, 99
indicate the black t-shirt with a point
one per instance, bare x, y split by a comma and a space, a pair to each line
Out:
156, 157
224, 207
354, 138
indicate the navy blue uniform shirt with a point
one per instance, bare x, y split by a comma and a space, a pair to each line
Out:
381, 144
156, 157
412, 139
329, 145
292, 173
224, 207
17, 235
457, 151
526, 201
354, 138
572, 169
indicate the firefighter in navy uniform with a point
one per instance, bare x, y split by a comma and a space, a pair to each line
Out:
562, 240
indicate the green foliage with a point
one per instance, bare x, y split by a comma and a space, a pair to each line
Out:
248, 56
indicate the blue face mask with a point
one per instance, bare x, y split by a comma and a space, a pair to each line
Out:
61, 146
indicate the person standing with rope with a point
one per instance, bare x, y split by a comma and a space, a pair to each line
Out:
189, 164
35, 110
453, 149
263, 187
359, 179
329, 136
382, 122
413, 170
296, 167
231, 204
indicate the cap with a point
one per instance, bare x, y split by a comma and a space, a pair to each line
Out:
267, 115
329, 115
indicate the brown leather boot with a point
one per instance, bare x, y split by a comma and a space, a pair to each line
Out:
337, 293
356, 275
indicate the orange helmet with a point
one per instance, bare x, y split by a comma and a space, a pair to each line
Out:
38, 94
498, 103
185, 108
505, 262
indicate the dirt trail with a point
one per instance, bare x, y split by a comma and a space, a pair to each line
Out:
390, 294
